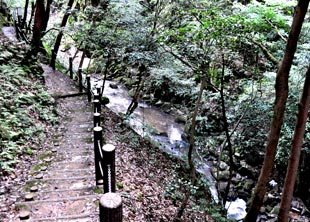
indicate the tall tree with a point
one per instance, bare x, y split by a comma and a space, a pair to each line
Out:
293, 163
38, 26
60, 34
25, 14
279, 108
41, 18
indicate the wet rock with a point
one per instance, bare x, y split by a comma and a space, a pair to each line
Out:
165, 134
166, 107
275, 210
113, 86
273, 185
223, 166
224, 175
180, 119
246, 170
271, 200
222, 186
248, 185
236, 179
159, 103
132, 92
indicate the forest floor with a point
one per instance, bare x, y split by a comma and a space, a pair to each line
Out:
58, 184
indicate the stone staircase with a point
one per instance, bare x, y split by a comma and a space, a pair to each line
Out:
63, 186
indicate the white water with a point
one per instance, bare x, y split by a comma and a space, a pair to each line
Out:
236, 209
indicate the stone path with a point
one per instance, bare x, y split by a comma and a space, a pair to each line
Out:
65, 181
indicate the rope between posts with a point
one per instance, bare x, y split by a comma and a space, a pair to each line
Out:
109, 179
99, 147
100, 167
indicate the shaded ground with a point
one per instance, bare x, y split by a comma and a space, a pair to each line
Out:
60, 177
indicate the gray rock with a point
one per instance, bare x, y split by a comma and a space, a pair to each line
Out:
180, 119
159, 103
248, 185
223, 166
113, 86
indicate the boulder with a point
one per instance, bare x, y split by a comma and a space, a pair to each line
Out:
180, 119
113, 86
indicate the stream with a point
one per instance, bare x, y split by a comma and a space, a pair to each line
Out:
161, 127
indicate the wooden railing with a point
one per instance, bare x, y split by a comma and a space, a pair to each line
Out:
110, 202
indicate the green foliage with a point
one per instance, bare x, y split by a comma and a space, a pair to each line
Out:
25, 108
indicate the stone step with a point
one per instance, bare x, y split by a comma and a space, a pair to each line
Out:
64, 193
63, 184
69, 173
91, 217
61, 208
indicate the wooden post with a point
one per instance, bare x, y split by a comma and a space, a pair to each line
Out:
96, 119
88, 88
96, 96
111, 209
98, 88
108, 153
71, 67
80, 80
98, 93
97, 106
98, 157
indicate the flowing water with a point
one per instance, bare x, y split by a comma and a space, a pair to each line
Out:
160, 127
167, 134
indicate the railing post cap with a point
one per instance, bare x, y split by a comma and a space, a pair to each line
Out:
108, 148
111, 200
97, 114
98, 128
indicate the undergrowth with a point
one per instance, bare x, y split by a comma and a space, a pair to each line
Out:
26, 109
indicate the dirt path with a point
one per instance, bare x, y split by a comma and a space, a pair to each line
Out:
57, 183
62, 186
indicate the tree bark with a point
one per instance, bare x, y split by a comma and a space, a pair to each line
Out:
293, 163
46, 14
38, 25
226, 128
279, 108
25, 14
60, 34
190, 152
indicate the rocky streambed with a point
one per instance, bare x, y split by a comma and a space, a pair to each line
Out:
166, 131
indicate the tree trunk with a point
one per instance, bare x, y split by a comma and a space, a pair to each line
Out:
28, 28
37, 27
190, 152
226, 128
46, 15
279, 108
293, 163
25, 14
60, 34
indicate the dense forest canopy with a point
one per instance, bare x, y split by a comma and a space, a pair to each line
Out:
232, 48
